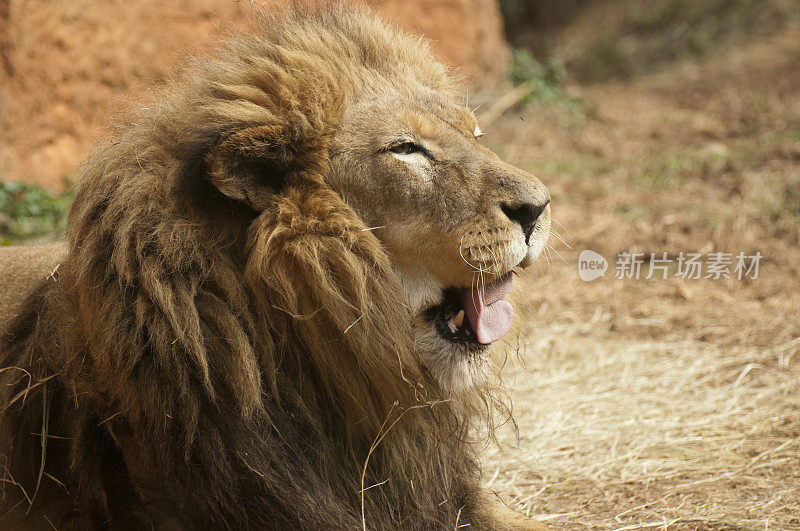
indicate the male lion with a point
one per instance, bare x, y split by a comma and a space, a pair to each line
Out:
283, 280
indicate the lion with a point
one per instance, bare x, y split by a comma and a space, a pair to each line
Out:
284, 279
21, 270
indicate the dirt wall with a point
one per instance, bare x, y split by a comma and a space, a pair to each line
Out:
64, 66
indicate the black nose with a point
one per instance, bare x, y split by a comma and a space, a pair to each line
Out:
525, 214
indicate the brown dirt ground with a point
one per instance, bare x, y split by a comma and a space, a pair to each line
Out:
663, 403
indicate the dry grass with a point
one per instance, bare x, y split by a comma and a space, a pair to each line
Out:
631, 434
664, 403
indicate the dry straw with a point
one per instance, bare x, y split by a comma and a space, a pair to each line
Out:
642, 434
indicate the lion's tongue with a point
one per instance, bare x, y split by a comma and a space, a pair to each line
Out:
487, 313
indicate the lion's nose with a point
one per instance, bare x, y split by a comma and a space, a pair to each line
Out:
526, 214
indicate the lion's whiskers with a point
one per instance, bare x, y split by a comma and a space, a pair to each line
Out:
554, 220
495, 262
482, 283
548, 246
461, 253
548, 260
558, 237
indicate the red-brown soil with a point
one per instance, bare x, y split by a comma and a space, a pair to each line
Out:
65, 66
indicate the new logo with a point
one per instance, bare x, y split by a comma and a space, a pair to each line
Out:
591, 265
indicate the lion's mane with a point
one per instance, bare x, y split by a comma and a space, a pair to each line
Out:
225, 343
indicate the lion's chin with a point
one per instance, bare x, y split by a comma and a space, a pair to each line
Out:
454, 328
457, 360
459, 367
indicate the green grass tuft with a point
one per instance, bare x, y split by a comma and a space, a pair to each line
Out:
546, 80
28, 211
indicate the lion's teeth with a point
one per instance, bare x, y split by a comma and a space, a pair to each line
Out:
458, 320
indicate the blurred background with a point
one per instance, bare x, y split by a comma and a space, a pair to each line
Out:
660, 126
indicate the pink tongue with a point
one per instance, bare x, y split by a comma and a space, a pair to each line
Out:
487, 313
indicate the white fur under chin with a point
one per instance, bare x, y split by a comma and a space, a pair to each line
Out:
456, 370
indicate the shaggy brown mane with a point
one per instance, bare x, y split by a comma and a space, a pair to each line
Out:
226, 345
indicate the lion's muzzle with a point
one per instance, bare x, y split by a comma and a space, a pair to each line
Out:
526, 214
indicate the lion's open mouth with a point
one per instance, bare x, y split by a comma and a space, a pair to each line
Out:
478, 316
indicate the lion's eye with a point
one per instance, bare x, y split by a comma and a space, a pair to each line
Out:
405, 148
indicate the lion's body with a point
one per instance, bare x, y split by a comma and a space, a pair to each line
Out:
227, 343
22, 270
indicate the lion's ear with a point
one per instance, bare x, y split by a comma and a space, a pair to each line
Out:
252, 164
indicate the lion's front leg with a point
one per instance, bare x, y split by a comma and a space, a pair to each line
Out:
492, 513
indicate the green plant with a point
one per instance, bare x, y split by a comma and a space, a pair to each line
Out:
27, 211
545, 80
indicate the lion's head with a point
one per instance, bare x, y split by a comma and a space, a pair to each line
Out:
405, 155
454, 218
284, 275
